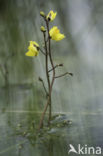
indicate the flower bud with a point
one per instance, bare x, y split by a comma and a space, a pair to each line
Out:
60, 64
42, 14
42, 28
71, 74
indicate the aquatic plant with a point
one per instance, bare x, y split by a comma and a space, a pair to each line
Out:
34, 49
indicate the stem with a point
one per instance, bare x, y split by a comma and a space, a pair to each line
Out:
50, 84
45, 109
53, 76
48, 80
46, 61
43, 86
48, 52
53, 68
64, 75
42, 117
58, 65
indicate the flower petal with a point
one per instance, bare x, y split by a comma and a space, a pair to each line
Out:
34, 43
31, 53
55, 34
33, 49
51, 15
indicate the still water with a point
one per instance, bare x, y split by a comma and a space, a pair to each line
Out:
21, 107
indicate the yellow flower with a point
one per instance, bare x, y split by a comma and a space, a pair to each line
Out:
55, 34
51, 15
33, 49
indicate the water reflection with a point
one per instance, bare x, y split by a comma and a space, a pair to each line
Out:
18, 127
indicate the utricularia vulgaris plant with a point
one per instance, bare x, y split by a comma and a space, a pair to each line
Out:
33, 50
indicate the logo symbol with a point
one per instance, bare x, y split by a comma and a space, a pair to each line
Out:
72, 149
85, 150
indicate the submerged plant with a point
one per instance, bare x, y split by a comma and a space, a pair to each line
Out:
33, 50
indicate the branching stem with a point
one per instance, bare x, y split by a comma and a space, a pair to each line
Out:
48, 57
64, 75
52, 64
43, 86
58, 65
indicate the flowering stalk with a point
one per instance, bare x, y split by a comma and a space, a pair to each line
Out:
47, 74
47, 20
33, 50
52, 64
